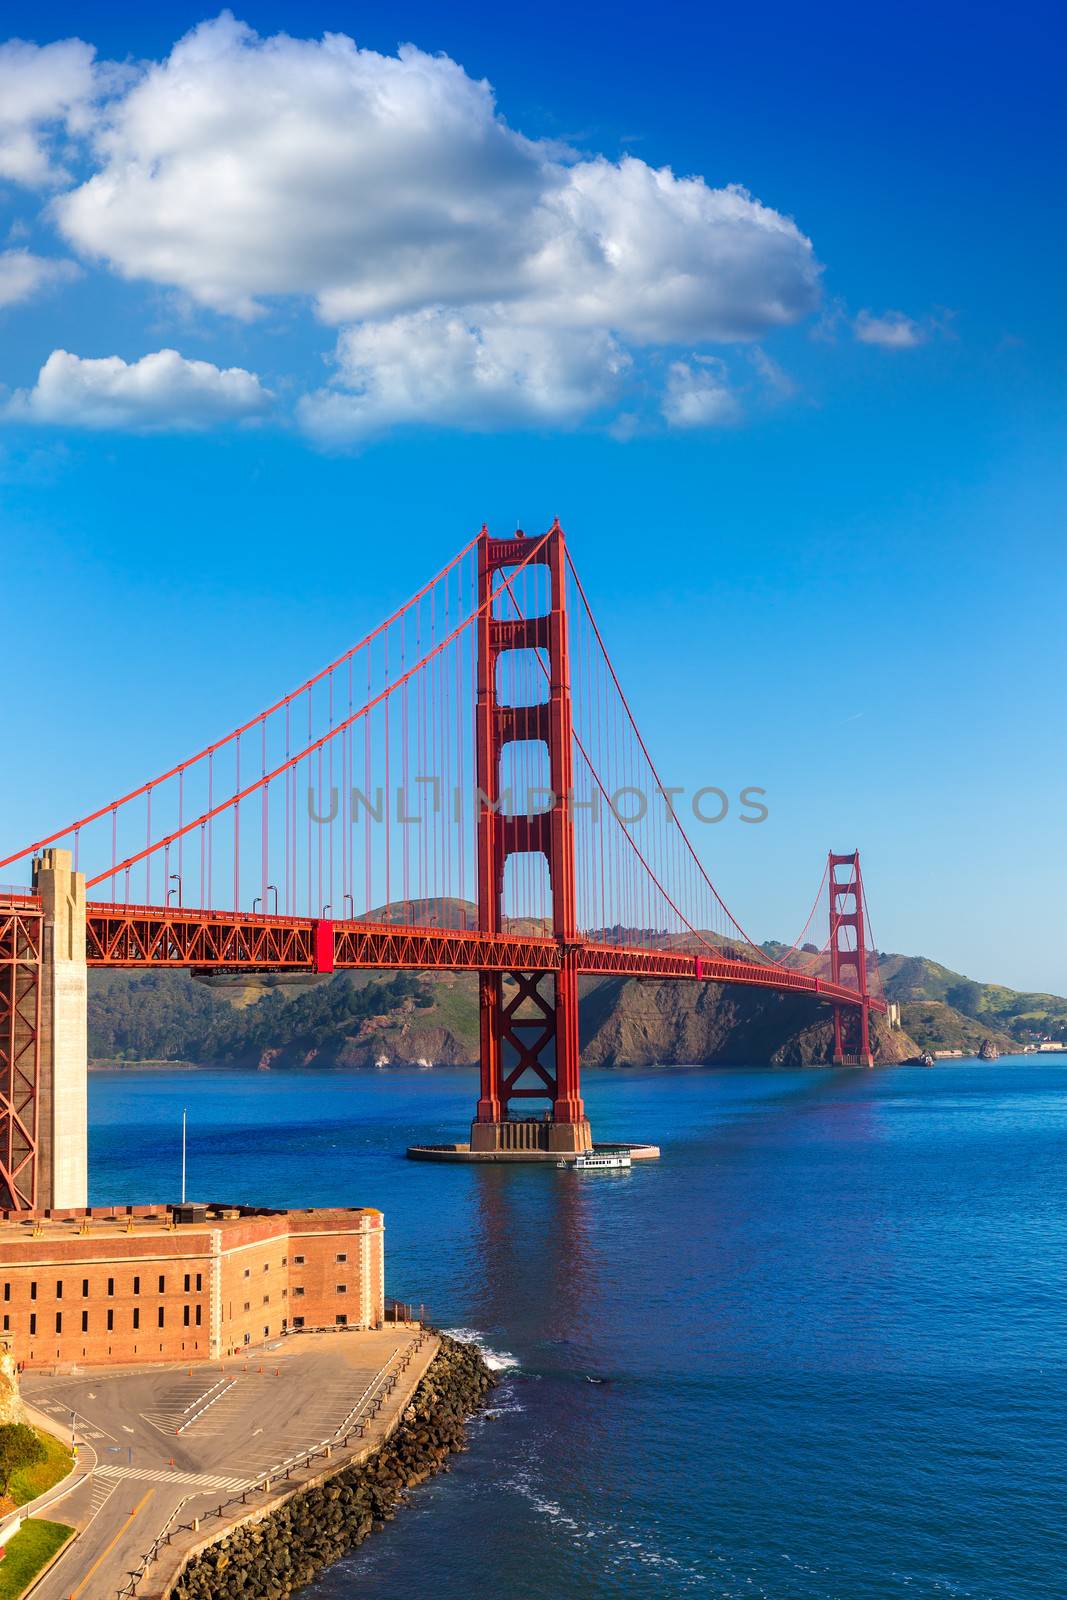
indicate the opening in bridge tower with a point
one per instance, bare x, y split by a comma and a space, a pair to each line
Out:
530, 1086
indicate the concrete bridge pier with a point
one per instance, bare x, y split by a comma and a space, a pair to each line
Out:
62, 1137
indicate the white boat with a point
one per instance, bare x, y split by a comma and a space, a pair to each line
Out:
600, 1161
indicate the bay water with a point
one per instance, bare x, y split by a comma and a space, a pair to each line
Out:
818, 1351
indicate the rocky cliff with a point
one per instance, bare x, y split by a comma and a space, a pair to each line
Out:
633, 1022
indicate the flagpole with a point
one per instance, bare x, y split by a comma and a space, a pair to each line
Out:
183, 1155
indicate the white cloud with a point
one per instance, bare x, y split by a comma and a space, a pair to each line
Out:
774, 377
892, 329
477, 277
699, 395
242, 168
382, 188
435, 366
161, 391
23, 275
662, 259
45, 91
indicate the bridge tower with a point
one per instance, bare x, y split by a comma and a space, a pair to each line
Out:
848, 960
529, 1021
43, 1044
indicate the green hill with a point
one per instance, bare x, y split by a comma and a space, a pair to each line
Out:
1021, 1017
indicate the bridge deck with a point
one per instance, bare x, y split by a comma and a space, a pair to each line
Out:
151, 936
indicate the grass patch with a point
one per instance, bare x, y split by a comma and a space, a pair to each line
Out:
35, 1544
29, 1482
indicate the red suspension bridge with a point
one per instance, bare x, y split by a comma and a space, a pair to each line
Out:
465, 789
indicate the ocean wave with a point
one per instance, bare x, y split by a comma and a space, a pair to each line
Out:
495, 1360
616, 1544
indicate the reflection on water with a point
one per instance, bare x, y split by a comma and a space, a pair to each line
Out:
531, 1230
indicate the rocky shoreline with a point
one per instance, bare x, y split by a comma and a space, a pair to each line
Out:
277, 1555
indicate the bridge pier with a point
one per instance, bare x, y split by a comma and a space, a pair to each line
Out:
531, 1036
62, 1140
852, 1037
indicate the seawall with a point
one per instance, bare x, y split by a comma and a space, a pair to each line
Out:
272, 1554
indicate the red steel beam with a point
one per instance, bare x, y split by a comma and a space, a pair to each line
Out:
154, 936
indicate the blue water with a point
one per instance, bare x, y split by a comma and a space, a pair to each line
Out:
832, 1318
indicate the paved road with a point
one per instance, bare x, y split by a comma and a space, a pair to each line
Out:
174, 1442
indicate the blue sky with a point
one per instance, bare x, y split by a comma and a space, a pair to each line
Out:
817, 499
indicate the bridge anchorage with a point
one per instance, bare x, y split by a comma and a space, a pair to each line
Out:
465, 790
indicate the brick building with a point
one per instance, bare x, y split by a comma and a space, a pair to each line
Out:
125, 1284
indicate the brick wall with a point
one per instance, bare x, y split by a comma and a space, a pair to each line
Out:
190, 1292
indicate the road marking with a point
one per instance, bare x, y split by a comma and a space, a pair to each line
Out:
106, 1551
101, 1493
198, 1480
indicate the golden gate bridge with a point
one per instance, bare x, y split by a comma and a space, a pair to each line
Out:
465, 789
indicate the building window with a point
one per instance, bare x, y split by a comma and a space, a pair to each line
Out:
342, 1288
248, 1305
59, 1322
198, 1316
188, 1281
285, 1261
136, 1316
266, 1333
136, 1285
7, 1291
341, 1257
33, 1289
298, 1261
199, 1282
33, 1323
298, 1322
162, 1284
110, 1321
341, 1319
248, 1272
299, 1289
59, 1288
85, 1322
161, 1316
185, 1316
7, 1323
111, 1286
85, 1288
266, 1266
